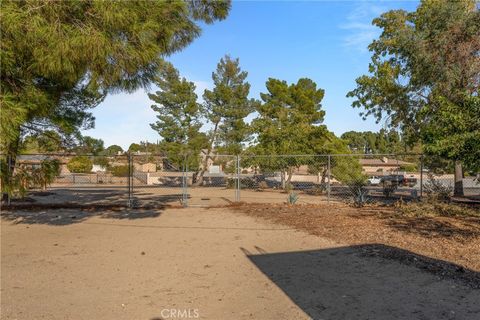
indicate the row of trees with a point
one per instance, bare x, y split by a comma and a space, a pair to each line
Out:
289, 118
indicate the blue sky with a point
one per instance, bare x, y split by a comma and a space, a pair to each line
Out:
322, 40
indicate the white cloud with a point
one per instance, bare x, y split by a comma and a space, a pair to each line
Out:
359, 25
125, 118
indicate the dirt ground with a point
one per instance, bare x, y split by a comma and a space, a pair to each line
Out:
214, 263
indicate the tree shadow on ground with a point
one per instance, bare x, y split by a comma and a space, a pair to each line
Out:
62, 215
372, 282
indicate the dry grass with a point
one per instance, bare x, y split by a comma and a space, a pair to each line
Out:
433, 231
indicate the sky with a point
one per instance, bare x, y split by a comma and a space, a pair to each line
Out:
325, 41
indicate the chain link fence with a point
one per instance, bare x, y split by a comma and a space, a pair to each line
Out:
150, 180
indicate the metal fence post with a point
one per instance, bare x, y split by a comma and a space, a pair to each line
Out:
328, 183
237, 193
9, 177
421, 175
185, 182
129, 180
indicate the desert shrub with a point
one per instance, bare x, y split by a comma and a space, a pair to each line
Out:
24, 177
80, 164
46, 174
231, 183
288, 187
348, 171
101, 161
292, 198
388, 188
409, 167
262, 185
120, 171
436, 190
358, 192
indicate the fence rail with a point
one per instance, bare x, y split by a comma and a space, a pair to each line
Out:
137, 180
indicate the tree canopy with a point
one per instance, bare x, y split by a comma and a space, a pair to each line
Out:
425, 72
178, 120
60, 58
375, 142
227, 105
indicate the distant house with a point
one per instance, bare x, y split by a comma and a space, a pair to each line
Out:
34, 161
382, 165
145, 167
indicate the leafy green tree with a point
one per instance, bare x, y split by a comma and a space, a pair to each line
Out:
289, 122
89, 145
454, 132
178, 120
113, 150
60, 58
80, 164
375, 142
227, 106
423, 62
42, 142
135, 147
102, 161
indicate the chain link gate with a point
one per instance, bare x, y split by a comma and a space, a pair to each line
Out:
157, 180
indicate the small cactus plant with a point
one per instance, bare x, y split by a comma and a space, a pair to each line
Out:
292, 198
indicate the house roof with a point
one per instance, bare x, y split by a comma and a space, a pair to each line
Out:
383, 162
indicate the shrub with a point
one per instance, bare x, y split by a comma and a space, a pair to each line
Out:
409, 167
389, 188
358, 192
288, 187
292, 198
349, 171
101, 161
120, 171
46, 174
80, 164
436, 190
262, 185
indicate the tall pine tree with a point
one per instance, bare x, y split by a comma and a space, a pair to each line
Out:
178, 117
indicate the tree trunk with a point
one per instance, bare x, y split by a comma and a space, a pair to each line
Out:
290, 173
324, 176
12, 152
458, 188
204, 167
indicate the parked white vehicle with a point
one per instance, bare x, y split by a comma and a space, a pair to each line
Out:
374, 180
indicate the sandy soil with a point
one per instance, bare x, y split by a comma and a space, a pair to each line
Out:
214, 263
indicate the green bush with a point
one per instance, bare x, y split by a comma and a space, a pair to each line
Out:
101, 161
409, 167
80, 164
348, 171
120, 171
292, 198
46, 174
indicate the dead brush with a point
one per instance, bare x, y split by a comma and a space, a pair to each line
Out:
432, 208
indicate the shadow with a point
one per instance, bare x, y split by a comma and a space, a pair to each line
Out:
65, 215
372, 282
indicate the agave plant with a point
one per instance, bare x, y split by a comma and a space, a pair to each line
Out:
292, 198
